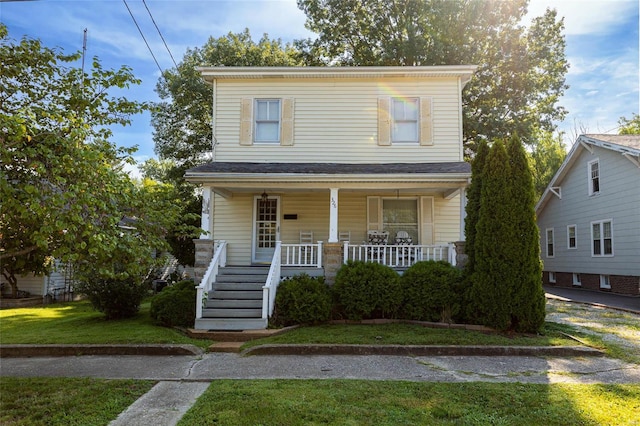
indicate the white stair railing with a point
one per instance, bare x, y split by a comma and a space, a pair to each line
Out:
206, 285
270, 288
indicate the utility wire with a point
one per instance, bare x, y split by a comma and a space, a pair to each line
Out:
156, 25
145, 40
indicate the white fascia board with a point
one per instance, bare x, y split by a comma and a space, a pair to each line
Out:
298, 177
464, 72
564, 168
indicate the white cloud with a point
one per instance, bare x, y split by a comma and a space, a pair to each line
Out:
586, 16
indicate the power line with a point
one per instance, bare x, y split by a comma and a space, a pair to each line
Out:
145, 40
156, 25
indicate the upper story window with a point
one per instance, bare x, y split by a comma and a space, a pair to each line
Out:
571, 236
267, 120
405, 121
550, 243
602, 238
594, 177
405, 114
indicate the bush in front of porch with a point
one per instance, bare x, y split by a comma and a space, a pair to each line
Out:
302, 300
367, 290
431, 291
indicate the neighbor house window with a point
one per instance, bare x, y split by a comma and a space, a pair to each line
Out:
594, 177
550, 247
605, 281
552, 277
267, 120
405, 114
576, 279
571, 236
602, 238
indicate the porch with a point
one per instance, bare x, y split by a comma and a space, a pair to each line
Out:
243, 297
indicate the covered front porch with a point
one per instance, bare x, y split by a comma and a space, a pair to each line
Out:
315, 217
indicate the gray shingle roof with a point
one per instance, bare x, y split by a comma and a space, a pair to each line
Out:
332, 168
631, 141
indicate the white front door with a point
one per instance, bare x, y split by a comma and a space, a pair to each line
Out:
266, 228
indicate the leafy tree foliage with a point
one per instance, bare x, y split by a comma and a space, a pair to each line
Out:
506, 288
521, 74
629, 126
182, 121
546, 157
62, 186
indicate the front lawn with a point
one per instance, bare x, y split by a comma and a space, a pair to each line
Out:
409, 334
356, 402
78, 323
62, 401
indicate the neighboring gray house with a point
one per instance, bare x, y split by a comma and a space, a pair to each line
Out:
589, 216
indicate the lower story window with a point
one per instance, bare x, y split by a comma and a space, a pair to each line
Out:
400, 215
576, 279
602, 238
552, 277
605, 281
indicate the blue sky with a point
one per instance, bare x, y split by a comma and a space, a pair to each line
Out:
602, 46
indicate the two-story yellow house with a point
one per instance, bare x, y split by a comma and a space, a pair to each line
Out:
314, 166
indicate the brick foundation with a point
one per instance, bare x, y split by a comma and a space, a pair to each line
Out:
621, 284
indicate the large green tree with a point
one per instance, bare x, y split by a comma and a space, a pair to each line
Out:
182, 120
545, 157
521, 71
62, 186
629, 126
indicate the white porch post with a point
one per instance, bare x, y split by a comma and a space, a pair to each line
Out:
205, 221
333, 216
463, 211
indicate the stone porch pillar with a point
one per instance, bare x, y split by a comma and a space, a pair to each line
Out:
461, 256
204, 254
332, 254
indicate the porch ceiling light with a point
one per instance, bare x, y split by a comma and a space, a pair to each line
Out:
265, 197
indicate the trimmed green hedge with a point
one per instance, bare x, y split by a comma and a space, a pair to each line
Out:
302, 300
175, 305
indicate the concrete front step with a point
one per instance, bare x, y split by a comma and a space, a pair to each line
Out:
244, 270
235, 295
232, 313
222, 286
242, 278
231, 324
233, 303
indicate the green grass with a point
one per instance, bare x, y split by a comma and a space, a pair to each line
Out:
408, 334
78, 323
61, 401
354, 402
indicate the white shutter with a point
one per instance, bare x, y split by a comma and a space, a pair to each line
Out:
286, 138
426, 122
384, 122
246, 121
373, 214
426, 220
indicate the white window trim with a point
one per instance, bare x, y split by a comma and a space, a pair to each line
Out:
552, 277
553, 243
417, 120
255, 121
590, 180
601, 223
575, 236
576, 279
605, 282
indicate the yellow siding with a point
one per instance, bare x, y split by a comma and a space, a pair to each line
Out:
337, 120
233, 219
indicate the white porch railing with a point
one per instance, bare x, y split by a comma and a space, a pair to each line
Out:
205, 286
271, 286
399, 256
302, 255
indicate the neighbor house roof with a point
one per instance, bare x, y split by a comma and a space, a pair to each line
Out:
627, 145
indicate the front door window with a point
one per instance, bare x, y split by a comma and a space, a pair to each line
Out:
266, 229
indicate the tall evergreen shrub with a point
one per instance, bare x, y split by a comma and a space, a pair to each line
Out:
528, 301
492, 280
474, 192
